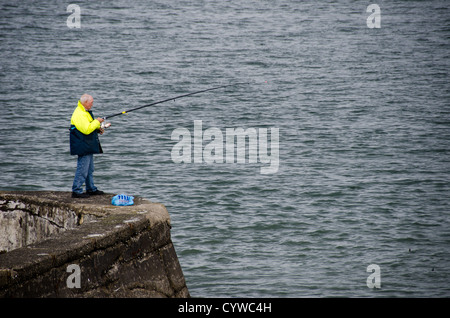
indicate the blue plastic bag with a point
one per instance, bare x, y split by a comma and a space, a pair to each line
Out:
122, 200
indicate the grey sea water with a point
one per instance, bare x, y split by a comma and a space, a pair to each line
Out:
364, 133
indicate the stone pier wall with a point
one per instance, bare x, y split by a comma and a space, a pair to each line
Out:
56, 246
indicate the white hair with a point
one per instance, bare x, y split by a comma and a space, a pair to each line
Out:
85, 98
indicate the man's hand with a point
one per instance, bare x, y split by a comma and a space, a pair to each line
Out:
100, 119
101, 131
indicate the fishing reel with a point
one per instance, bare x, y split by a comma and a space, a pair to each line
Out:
105, 124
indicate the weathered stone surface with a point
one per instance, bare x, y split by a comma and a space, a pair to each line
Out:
121, 251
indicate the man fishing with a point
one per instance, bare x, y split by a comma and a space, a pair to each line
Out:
84, 142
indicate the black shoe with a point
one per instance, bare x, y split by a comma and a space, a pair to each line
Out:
80, 195
96, 192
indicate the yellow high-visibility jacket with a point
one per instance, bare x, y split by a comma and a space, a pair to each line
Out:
83, 120
83, 133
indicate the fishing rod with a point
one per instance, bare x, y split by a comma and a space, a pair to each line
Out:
106, 125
